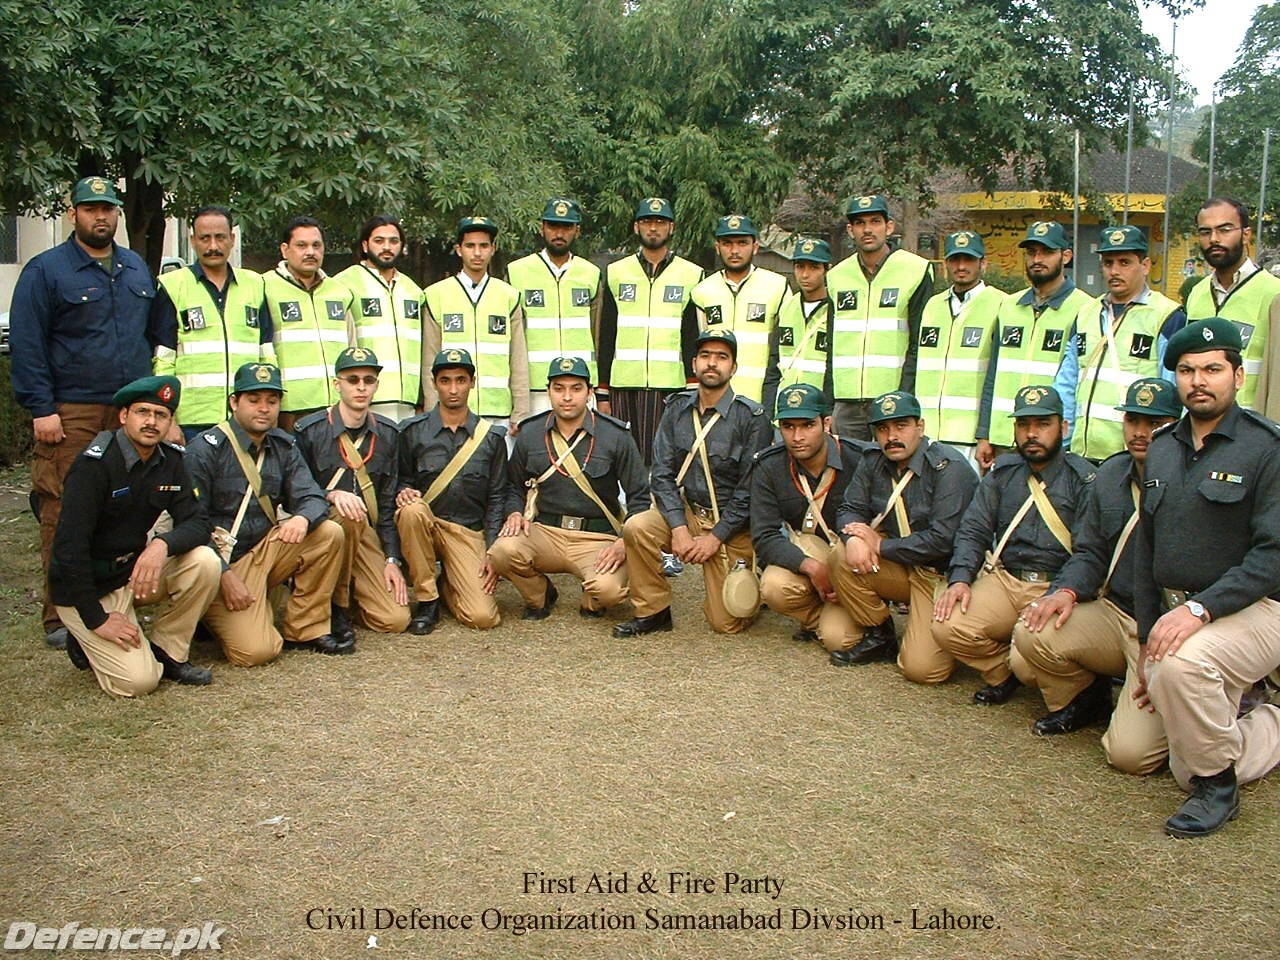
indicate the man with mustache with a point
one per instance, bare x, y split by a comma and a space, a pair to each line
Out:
81, 329
213, 318
311, 320
1118, 339
1239, 291
1032, 330
387, 308
560, 293
1071, 652
1207, 568
1012, 541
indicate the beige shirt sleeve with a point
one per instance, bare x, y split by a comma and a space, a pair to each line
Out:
432, 338
519, 368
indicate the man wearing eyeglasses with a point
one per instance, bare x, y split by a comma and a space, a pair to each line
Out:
352, 452
1239, 291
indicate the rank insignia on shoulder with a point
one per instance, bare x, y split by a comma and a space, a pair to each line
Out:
94, 451
210, 438
941, 465
1226, 477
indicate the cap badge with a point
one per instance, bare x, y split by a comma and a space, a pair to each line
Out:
1040, 229
1145, 396
655, 204
806, 247
962, 240
359, 353
98, 186
453, 356
795, 398
262, 375
166, 393
1117, 236
1207, 333
1034, 395
734, 223
561, 208
864, 202
888, 405
566, 363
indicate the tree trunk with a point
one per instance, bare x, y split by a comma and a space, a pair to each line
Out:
144, 218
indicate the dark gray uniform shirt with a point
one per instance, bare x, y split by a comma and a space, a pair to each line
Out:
1108, 504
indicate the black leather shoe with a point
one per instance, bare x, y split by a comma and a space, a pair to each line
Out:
183, 671
638, 626
1214, 802
333, 645
1090, 705
544, 611
590, 614
840, 658
75, 653
425, 617
56, 639
878, 643
996, 693
340, 624
805, 635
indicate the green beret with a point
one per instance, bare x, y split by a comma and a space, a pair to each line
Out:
893, 406
801, 401
736, 225
453, 357
1118, 239
1047, 233
257, 376
1036, 401
568, 367
1201, 337
559, 210
165, 391
814, 251
655, 208
965, 243
468, 224
722, 336
356, 357
1152, 397
871, 203
95, 190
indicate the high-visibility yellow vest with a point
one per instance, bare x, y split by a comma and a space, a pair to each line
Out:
389, 322
483, 329
951, 362
804, 346
311, 329
1105, 375
1030, 352
752, 315
211, 345
870, 332
647, 348
1247, 307
557, 312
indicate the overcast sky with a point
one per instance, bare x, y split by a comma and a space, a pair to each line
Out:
1207, 39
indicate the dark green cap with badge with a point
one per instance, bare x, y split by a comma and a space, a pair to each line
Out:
568, 367
801, 401
467, 224
814, 251
656, 208
94, 190
257, 376
1122, 238
723, 336
559, 210
1033, 401
1201, 337
870, 203
1152, 397
965, 243
893, 406
356, 357
165, 391
453, 357
1047, 233
736, 225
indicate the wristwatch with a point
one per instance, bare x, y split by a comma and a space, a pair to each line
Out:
395, 560
1197, 610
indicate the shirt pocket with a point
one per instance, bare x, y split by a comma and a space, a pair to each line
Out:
78, 295
1113, 520
1222, 491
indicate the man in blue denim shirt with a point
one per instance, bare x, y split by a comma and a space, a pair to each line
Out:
79, 333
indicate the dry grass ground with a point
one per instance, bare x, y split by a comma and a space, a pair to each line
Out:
434, 772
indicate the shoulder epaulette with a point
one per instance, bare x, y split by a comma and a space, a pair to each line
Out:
940, 456
1006, 460
1262, 421
769, 451
1081, 466
282, 435
408, 421
755, 408
100, 444
177, 448
386, 422
311, 419
1163, 429
532, 417
685, 394
620, 424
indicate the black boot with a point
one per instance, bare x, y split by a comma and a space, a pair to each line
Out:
182, 671
995, 693
638, 626
878, 643
425, 617
340, 624
76, 653
1090, 705
1213, 802
544, 611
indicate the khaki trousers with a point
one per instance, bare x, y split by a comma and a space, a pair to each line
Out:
249, 637
920, 659
980, 637
360, 569
648, 535
191, 581
81, 422
425, 538
524, 559
793, 595
1198, 689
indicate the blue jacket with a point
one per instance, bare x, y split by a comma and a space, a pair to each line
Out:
77, 335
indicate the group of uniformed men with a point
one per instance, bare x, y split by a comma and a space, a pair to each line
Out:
413, 444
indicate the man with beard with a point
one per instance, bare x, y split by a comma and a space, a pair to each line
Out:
645, 323
879, 296
1208, 579
701, 491
1239, 291
311, 320
1017, 534
561, 297
744, 300
804, 323
1032, 329
387, 307
213, 318
103, 564
1071, 653
1118, 340
81, 328
898, 521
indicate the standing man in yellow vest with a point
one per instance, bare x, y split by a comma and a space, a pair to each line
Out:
804, 324
1032, 331
1239, 291
744, 299
481, 314
211, 320
1119, 339
311, 320
879, 296
388, 315
954, 346
647, 325
560, 294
